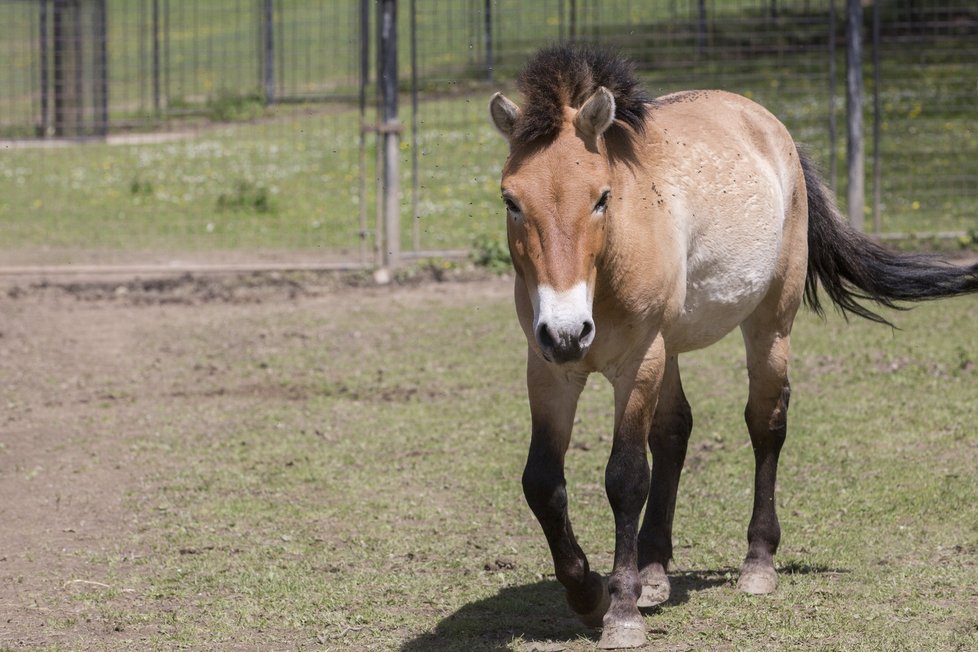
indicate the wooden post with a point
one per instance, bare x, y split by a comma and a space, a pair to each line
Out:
855, 157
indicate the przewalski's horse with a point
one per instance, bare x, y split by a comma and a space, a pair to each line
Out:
641, 229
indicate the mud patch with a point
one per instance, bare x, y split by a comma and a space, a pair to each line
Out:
251, 287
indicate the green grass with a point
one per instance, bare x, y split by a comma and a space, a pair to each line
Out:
56, 204
168, 197
355, 485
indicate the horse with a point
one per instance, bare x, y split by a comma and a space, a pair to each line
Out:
640, 229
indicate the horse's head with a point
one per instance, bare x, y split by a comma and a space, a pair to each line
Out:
557, 193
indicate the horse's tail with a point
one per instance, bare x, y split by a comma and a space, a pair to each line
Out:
852, 267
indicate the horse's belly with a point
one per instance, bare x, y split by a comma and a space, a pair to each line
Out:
722, 288
712, 312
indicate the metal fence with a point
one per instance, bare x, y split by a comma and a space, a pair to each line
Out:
234, 130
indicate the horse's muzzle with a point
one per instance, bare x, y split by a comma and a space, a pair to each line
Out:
562, 323
566, 343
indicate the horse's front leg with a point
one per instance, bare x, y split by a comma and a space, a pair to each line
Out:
627, 484
553, 402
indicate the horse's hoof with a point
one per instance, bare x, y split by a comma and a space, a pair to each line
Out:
594, 618
655, 588
758, 580
620, 636
653, 595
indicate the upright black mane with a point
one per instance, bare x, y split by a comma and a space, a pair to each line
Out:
567, 75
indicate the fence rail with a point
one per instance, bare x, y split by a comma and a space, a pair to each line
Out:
233, 125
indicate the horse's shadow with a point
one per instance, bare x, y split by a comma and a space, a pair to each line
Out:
538, 612
532, 611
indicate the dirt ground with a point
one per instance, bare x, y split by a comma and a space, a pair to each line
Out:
82, 357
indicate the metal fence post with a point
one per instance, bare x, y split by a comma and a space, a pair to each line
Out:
43, 46
268, 50
572, 20
100, 77
362, 104
487, 37
390, 130
854, 113
700, 28
877, 163
833, 163
67, 68
415, 178
156, 57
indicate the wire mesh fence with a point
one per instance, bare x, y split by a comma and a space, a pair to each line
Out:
928, 108
155, 130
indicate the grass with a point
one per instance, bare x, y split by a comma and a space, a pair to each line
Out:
306, 165
356, 486
55, 203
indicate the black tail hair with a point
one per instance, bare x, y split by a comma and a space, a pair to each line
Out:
852, 267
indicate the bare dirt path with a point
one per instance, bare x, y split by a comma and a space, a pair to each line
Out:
90, 371
61, 364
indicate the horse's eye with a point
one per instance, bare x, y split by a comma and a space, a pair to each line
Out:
511, 206
603, 202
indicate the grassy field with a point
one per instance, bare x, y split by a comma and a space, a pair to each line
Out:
285, 180
340, 470
285, 185
291, 183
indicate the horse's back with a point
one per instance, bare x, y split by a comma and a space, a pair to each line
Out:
734, 180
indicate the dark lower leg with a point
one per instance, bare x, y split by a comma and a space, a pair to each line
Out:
767, 423
544, 488
668, 440
655, 537
627, 483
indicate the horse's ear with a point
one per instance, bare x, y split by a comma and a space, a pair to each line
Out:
504, 114
597, 114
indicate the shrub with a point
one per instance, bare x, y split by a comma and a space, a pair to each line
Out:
490, 253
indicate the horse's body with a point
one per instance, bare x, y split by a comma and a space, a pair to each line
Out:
674, 256
642, 229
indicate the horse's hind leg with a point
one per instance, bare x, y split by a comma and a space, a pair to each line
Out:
668, 439
767, 343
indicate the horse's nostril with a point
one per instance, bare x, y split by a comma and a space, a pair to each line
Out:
544, 337
586, 331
